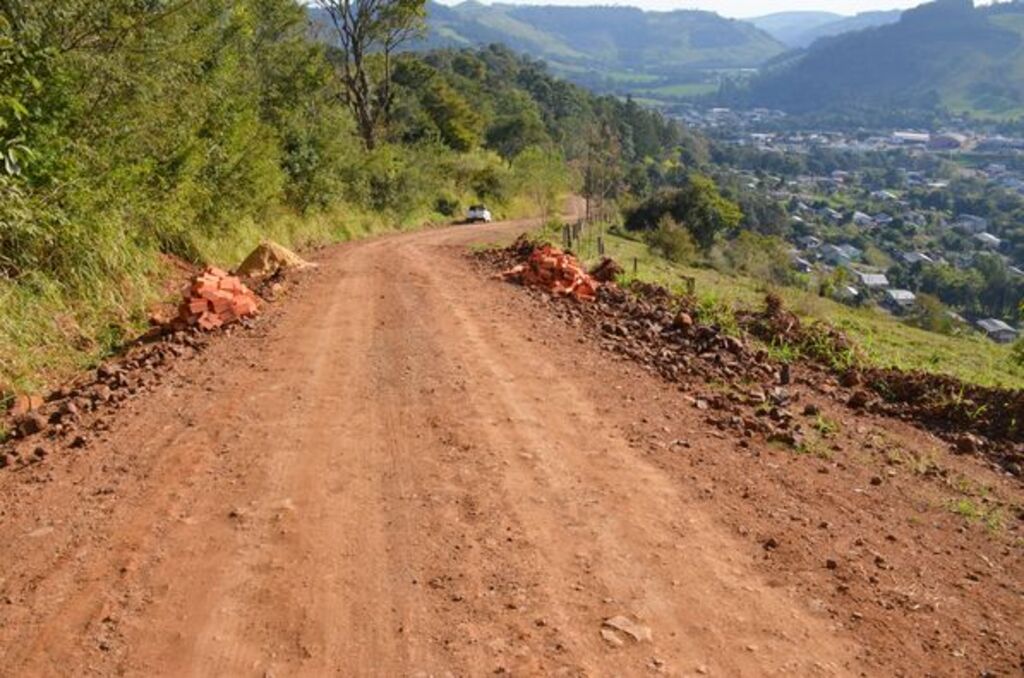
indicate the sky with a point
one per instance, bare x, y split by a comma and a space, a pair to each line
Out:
740, 8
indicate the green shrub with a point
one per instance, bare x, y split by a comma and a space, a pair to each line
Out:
672, 241
762, 257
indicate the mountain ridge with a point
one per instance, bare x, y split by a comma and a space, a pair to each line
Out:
803, 28
942, 55
614, 38
787, 27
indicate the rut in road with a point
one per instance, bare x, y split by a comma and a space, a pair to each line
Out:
397, 482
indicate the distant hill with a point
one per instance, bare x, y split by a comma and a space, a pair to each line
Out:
656, 57
845, 25
790, 28
618, 41
801, 29
943, 55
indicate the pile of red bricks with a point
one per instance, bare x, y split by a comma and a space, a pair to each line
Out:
554, 270
216, 298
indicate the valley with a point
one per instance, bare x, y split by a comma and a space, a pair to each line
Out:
396, 338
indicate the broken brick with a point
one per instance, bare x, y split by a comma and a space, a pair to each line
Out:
213, 299
230, 284
209, 321
23, 404
557, 271
221, 301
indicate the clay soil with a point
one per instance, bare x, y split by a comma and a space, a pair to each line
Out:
409, 468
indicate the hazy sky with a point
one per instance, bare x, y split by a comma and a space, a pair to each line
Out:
740, 8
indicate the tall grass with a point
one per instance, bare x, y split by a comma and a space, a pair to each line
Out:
51, 328
882, 338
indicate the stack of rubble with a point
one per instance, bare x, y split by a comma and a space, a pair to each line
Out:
216, 298
552, 269
667, 334
607, 271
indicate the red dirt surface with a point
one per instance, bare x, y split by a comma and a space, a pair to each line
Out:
411, 468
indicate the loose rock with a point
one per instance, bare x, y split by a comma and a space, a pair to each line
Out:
31, 424
637, 632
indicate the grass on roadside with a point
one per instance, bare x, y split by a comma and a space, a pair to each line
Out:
46, 335
883, 339
992, 517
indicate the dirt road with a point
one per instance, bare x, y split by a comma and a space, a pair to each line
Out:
393, 479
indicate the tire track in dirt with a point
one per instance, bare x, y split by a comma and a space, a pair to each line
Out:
393, 481
615, 522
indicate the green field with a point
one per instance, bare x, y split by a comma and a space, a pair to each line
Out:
630, 77
651, 103
884, 340
680, 90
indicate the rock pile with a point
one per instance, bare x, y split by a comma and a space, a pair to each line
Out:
665, 333
818, 341
959, 410
607, 271
949, 403
645, 324
649, 325
556, 271
76, 414
215, 298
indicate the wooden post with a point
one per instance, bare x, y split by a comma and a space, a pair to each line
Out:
634, 265
600, 245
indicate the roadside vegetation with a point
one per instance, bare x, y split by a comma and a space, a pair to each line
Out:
135, 136
884, 340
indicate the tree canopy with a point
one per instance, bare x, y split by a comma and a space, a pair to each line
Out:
696, 205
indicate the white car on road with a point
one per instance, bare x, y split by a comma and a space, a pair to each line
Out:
479, 213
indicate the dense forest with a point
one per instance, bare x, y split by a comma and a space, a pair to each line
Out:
133, 130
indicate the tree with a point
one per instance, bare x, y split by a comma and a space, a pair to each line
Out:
518, 126
602, 170
1017, 354
541, 175
929, 314
763, 257
953, 286
369, 31
672, 241
997, 293
697, 205
459, 124
707, 212
839, 278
